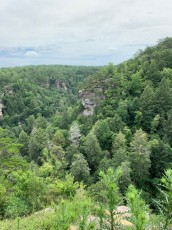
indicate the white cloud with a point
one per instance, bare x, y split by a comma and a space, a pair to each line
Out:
65, 30
32, 53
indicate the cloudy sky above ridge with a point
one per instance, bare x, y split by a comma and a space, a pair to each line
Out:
80, 32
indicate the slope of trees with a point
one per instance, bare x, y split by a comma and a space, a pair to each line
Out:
50, 151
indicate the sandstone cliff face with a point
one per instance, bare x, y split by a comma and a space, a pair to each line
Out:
91, 97
59, 84
88, 101
1, 107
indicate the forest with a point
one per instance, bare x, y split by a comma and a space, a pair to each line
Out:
84, 147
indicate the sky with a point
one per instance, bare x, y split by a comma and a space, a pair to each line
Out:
80, 32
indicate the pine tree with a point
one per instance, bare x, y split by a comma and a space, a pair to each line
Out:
147, 103
140, 158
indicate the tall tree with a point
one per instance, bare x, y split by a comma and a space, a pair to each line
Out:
167, 126
10, 158
38, 141
140, 158
79, 168
24, 140
163, 97
119, 149
161, 157
165, 201
139, 210
147, 103
92, 151
103, 133
110, 196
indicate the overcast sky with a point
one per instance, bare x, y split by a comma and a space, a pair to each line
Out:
80, 32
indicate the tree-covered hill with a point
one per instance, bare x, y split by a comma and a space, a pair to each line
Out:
32, 90
108, 128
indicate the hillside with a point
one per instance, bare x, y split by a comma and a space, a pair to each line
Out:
63, 125
32, 90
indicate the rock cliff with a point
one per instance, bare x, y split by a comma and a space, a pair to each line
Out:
90, 97
88, 101
1, 107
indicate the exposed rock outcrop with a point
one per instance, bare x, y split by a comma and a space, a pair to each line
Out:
88, 101
60, 85
90, 97
1, 107
46, 210
46, 84
120, 218
10, 92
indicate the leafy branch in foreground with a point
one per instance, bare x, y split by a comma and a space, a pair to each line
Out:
165, 201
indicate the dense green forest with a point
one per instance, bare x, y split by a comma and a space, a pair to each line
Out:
79, 143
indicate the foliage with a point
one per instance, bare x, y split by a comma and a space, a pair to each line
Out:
92, 150
140, 158
48, 147
80, 169
138, 208
28, 195
110, 196
165, 201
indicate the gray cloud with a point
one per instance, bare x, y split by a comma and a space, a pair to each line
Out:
66, 31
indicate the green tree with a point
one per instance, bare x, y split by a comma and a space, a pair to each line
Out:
155, 124
3, 195
41, 122
147, 103
30, 190
38, 141
139, 209
119, 149
110, 196
161, 157
91, 149
10, 158
140, 158
125, 179
58, 138
167, 126
163, 94
79, 168
136, 84
165, 201
30, 123
103, 133
71, 150
122, 110
115, 123
24, 140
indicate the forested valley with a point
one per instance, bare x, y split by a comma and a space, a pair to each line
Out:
88, 147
